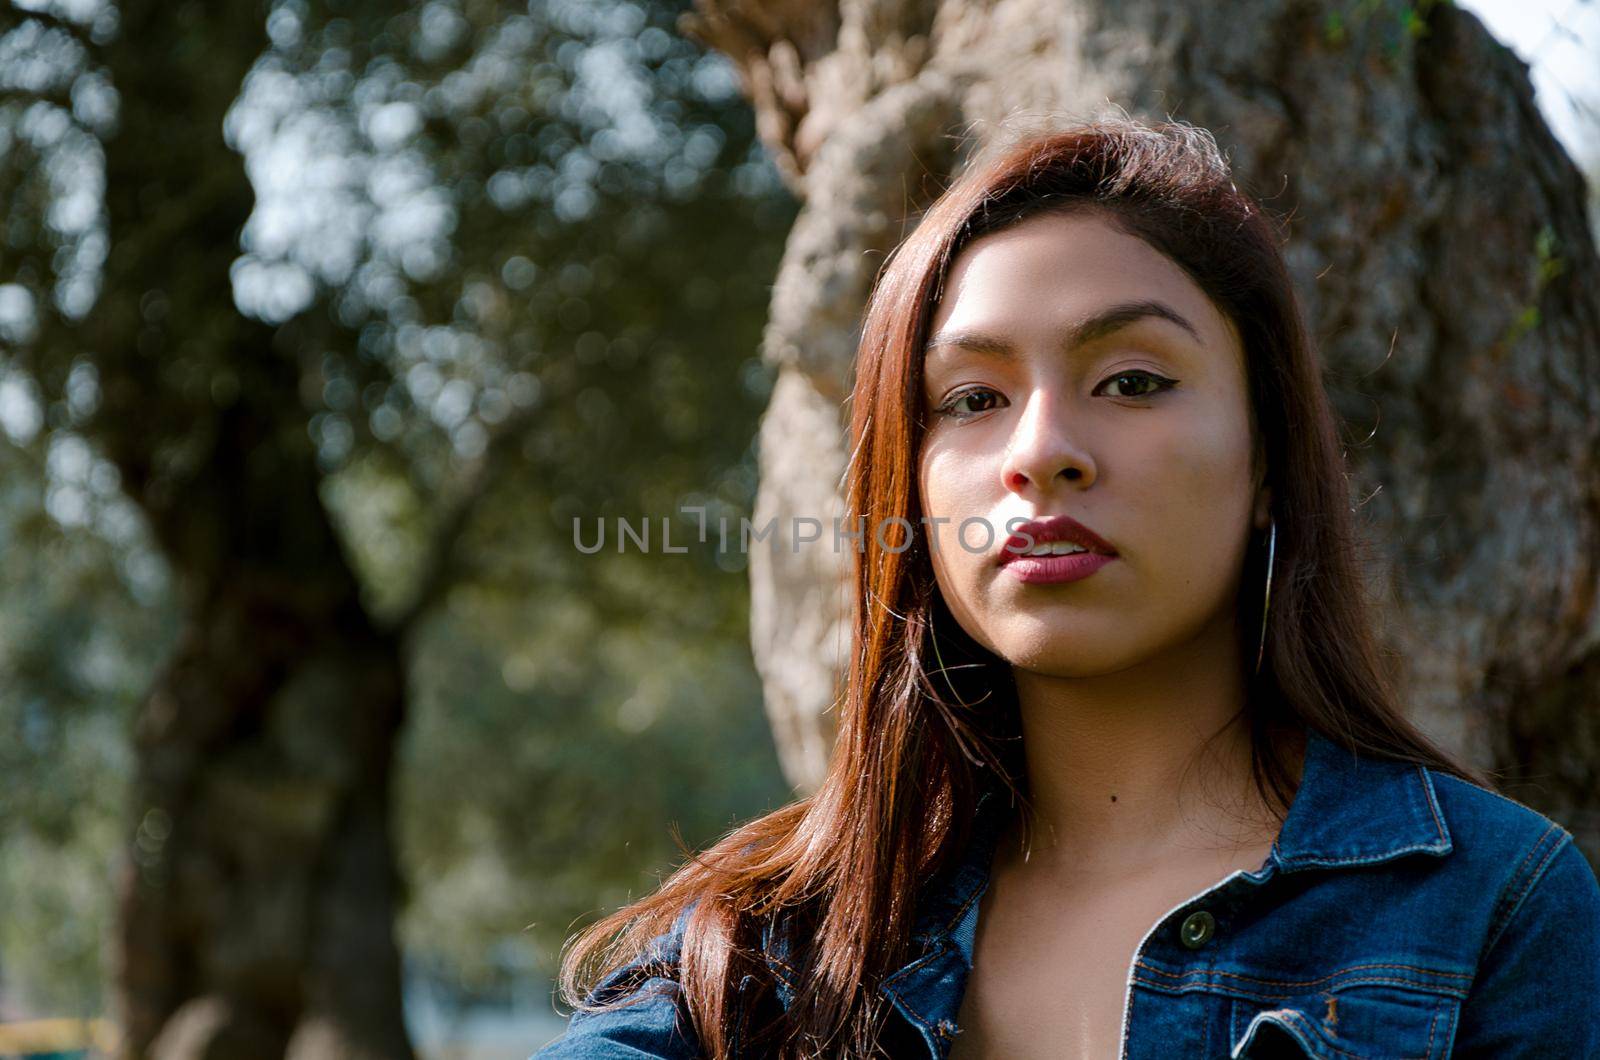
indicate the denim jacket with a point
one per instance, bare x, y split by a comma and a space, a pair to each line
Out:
1401, 912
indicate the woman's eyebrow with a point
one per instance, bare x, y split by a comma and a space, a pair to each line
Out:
1095, 326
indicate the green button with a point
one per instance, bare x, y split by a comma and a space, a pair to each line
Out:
1197, 928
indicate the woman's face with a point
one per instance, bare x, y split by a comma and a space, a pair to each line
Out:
1138, 427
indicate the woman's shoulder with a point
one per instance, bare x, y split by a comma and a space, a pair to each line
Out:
1537, 969
1495, 831
1503, 850
636, 1010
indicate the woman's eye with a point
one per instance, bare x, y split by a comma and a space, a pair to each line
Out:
964, 404
1159, 383
976, 400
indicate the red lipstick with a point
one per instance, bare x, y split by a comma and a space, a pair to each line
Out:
1043, 569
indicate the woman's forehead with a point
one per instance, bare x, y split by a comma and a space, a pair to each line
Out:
1067, 280
1073, 258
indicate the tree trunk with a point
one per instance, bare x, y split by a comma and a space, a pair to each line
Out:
258, 898
1439, 237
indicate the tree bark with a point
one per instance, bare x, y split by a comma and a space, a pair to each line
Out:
1439, 237
257, 901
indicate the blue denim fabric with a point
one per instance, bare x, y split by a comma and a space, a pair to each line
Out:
1400, 913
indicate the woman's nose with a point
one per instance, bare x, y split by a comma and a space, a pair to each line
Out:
1044, 452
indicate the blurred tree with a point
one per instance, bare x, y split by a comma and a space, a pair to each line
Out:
1439, 237
259, 899
78, 637
502, 268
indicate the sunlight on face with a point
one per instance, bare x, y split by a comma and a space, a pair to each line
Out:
1136, 424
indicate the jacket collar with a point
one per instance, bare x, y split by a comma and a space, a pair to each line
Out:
1354, 809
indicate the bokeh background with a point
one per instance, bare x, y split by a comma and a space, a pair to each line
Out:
320, 323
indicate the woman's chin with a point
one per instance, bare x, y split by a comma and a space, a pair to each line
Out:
1057, 660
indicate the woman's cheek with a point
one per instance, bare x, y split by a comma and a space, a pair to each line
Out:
1212, 479
954, 498
952, 492
1207, 484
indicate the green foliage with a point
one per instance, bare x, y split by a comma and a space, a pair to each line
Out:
1550, 264
536, 239
86, 619
569, 708
1547, 265
1393, 25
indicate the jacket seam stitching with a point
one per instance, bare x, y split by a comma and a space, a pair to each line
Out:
912, 1012
1304, 982
1293, 1017
1261, 995
955, 918
1432, 800
951, 923
1507, 907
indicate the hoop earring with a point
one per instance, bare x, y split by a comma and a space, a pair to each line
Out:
1272, 548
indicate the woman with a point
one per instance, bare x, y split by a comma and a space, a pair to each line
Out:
1120, 769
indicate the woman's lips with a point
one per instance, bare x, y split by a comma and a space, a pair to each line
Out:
1049, 530
1044, 570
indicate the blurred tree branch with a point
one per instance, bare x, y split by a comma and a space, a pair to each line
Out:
444, 561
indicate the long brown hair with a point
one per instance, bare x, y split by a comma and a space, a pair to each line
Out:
927, 717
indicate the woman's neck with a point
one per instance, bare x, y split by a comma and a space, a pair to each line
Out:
1120, 772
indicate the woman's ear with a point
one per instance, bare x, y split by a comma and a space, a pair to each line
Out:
1263, 506
1263, 510
1263, 513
